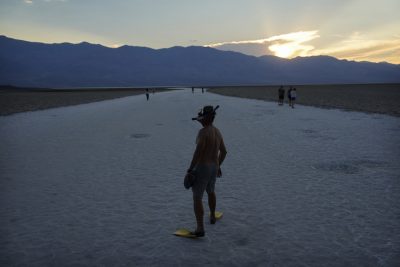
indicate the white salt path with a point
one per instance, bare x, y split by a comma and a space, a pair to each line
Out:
100, 184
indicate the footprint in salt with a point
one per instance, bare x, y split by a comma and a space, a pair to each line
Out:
139, 135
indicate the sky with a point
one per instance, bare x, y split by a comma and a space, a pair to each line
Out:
361, 30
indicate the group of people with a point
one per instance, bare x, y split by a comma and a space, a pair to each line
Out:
207, 158
291, 95
202, 90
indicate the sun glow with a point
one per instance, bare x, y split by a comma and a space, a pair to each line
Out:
284, 51
285, 45
115, 45
291, 44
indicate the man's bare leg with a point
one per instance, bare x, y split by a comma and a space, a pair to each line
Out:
199, 212
212, 202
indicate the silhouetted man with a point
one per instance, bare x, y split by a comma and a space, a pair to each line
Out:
281, 94
293, 96
207, 159
289, 95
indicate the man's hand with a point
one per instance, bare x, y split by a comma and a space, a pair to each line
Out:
219, 172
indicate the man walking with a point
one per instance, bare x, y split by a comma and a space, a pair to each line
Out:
289, 95
207, 159
281, 95
293, 96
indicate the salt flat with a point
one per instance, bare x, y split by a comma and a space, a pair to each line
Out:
101, 184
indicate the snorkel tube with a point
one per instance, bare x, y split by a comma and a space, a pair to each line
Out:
200, 114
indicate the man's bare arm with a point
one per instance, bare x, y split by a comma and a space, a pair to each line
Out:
221, 157
222, 153
197, 152
195, 158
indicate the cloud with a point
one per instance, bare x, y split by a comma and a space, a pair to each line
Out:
285, 45
360, 47
28, 1
357, 46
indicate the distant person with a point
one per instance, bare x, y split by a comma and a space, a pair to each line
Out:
281, 94
293, 95
154, 91
192, 90
289, 95
147, 94
202, 90
206, 166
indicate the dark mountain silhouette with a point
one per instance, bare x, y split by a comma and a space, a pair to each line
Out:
33, 64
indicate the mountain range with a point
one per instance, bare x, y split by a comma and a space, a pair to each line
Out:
33, 64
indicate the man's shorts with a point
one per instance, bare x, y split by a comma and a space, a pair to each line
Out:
205, 180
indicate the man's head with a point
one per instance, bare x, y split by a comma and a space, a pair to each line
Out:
206, 115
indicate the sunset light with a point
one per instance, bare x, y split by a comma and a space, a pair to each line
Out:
285, 45
354, 30
285, 51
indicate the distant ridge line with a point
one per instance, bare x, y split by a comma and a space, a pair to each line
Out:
62, 65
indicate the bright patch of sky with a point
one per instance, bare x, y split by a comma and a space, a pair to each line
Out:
346, 29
